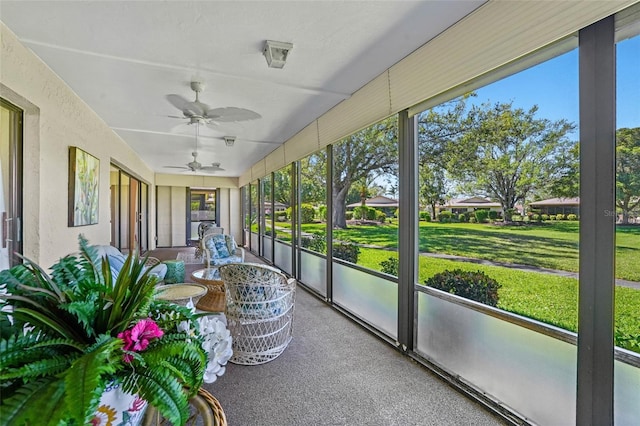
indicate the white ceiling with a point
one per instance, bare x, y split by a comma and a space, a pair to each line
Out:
123, 57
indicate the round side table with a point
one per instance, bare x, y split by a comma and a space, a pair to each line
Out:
215, 299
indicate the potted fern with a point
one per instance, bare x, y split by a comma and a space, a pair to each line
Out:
68, 337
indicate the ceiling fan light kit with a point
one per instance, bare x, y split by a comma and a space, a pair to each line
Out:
276, 53
229, 140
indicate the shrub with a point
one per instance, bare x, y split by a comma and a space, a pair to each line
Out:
371, 214
560, 216
535, 217
444, 216
476, 286
346, 251
396, 213
322, 212
361, 212
627, 340
307, 213
348, 215
552, 217
481, 215
316, 242
572, 217
544, 216
426, 216
288, 212
380, 216
472, 219
493, 215
462, 217
390, 266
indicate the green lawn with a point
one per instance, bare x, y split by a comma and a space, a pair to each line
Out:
553, 245
547, 298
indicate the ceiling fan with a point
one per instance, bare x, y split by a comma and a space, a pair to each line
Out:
195, 165
198, 112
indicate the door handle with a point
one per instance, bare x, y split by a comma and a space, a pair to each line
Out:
5, 226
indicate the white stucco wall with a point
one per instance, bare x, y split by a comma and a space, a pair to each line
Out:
55, 118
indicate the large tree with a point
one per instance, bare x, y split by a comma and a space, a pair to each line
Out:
627, 171
432, 186
507, 153
313, 174
438, 128
371, 151
564, 181
282, 186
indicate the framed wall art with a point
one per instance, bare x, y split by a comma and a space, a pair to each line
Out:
84, 187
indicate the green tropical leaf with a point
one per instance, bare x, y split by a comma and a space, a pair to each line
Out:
35, 403
38, 368
85, 312
185, 359
46, 321
58, 370
83, 379
162, 390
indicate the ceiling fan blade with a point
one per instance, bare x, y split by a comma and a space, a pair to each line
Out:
214, 167
176, 167
195, 108
231, 114
177, 101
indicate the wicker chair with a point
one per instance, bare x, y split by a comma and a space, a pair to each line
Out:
220, 249
260, 305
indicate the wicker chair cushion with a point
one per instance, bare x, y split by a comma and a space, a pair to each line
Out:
231, 243
226, 260
219, 241
211, 246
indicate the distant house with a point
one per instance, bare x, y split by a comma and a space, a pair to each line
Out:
558, 206
385, 204
377, 202
464, 205
277, 206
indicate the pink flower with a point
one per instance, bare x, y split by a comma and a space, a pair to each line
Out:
137, 338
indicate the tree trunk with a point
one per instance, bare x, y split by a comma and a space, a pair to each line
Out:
506, 213
340, 208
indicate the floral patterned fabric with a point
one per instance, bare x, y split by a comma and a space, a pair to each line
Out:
211, 246
118, 408
220, 242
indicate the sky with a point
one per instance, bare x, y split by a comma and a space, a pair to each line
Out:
553, 86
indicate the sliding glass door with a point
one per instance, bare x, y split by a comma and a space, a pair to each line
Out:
129, 212
10, 183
